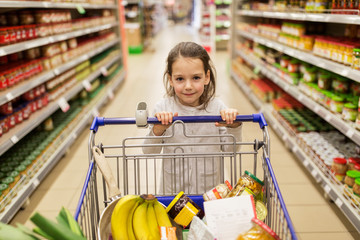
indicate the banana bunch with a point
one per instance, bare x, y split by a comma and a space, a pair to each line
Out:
138, 217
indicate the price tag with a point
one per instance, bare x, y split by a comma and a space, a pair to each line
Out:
295, 149
316, 109
327, 189
14, 139
110, 94
80, 9
328, 117
9, 96
87, 85
63, 104
338, 202
314, 173
56, 71
51, 39
257, 69
306, 163
36, 182
104, 71
350, 133
2, 52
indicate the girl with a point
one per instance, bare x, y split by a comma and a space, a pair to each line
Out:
189, 80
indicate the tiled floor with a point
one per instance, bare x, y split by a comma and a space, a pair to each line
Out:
313, 216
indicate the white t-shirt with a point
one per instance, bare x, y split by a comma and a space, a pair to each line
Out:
199, 169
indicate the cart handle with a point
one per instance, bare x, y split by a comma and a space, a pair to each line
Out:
101, 121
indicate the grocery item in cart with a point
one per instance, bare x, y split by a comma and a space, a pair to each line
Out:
250, 181
259, 231
182, 209
218, 192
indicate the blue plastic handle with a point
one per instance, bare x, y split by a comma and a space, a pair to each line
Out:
101, 121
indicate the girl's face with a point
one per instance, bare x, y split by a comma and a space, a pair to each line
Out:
188, 80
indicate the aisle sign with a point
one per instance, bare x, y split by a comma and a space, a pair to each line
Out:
63, 104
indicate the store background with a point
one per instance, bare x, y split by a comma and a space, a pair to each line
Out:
116, 78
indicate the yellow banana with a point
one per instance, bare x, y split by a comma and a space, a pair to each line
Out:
152, 221
119, 218
161, 215
140, 222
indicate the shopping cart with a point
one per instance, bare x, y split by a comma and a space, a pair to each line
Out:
138, 173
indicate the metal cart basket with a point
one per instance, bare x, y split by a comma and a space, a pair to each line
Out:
138, 173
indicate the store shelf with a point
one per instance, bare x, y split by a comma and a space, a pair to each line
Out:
29, 187
304, 56
18, 47
42, 4
21, 130
347, 128
303, 16
19, 89
333, 191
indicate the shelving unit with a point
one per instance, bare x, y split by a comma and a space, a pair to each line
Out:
134, 25
323, 178
207, 26
222, 23
27, 184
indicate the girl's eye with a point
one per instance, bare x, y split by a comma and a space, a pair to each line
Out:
179, 79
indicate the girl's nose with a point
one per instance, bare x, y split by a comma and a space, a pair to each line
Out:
188, 84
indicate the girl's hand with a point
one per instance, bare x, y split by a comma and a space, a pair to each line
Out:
228, 116
166, 119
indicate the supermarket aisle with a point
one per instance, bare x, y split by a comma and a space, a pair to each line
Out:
313, 216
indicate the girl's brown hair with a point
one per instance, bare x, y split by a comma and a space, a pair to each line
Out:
191, 50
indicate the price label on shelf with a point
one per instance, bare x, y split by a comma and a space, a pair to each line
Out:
257, 69
80, 9
14, 139
87, 85
338, 202
63, 104
2, 52
9, 96
104, 71
327, 189
36, 183
110, 94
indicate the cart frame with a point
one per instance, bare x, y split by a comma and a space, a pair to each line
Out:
88, 209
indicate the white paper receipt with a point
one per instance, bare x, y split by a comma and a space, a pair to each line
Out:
229, 217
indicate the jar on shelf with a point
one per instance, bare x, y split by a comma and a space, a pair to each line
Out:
349, 112
26, 17
356, 187
324, 80
4, 36
284, 61
293, 66
339, 168
348, 54
340, 84
310, 74
336, 103
356, 59
352, 162
12, 35
350, 177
